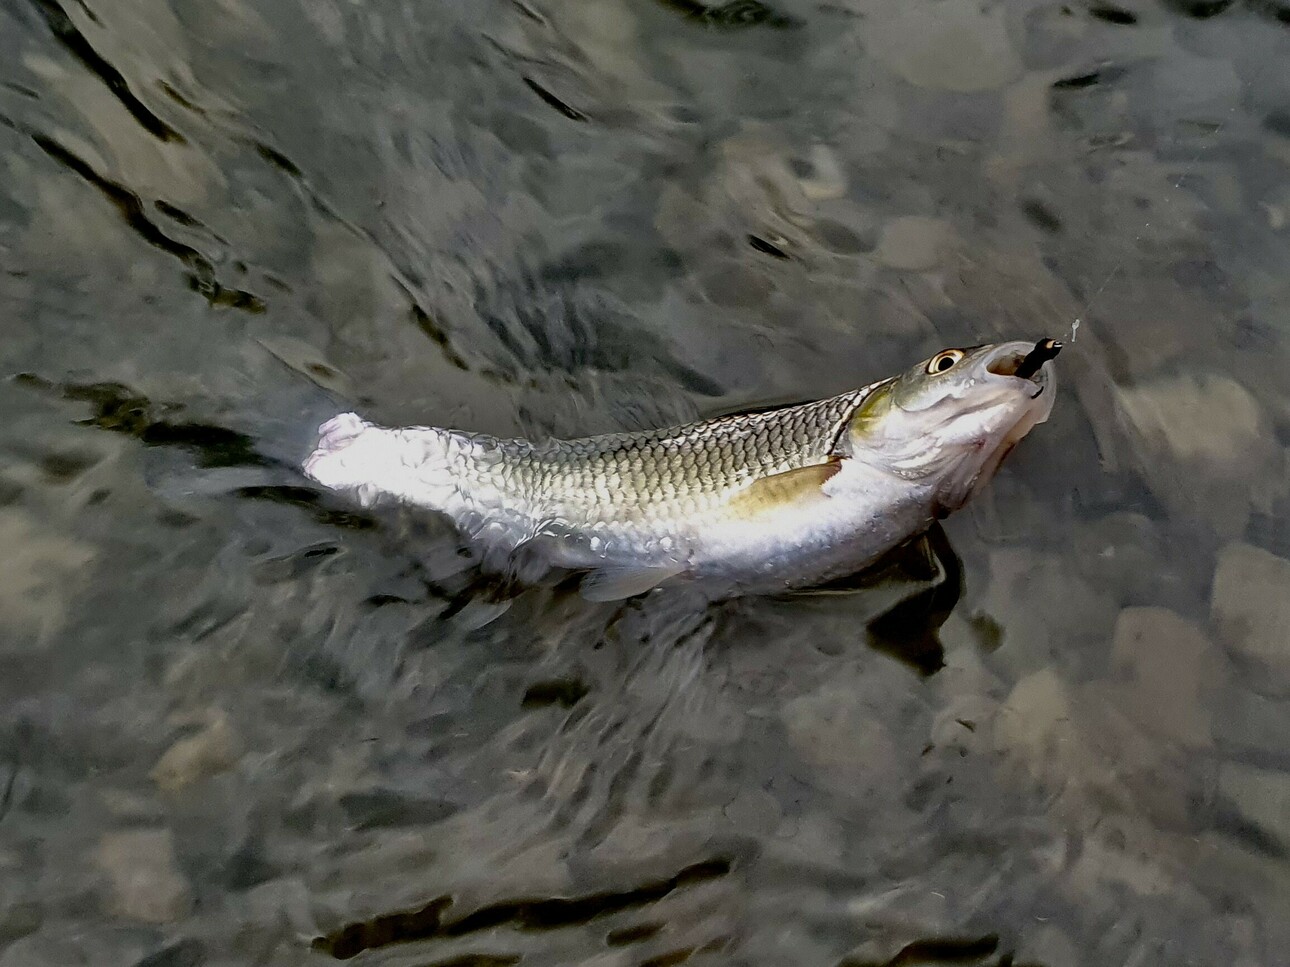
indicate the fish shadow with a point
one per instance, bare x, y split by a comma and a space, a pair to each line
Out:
903, 600
924, 578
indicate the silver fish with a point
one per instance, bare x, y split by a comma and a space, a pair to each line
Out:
757, 503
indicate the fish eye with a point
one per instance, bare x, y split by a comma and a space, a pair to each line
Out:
943, 361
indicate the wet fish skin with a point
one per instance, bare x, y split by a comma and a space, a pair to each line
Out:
760, 501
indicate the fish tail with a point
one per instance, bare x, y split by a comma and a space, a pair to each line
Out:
370, 461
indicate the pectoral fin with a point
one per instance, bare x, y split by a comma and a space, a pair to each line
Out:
791, 486
616, 582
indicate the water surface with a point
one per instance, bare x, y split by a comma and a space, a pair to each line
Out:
244, 722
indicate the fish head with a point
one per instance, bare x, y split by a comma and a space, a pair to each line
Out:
948, 422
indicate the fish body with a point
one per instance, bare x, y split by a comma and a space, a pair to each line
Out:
755, 502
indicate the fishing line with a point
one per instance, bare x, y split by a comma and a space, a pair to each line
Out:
1170, 207
1169, 202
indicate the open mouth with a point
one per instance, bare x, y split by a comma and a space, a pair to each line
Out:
1026, 365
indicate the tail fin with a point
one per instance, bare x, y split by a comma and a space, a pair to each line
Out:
369, 461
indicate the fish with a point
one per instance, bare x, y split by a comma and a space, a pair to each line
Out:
759, 502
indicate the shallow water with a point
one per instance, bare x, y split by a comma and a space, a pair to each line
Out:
243, 722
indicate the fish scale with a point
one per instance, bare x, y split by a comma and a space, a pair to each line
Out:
654, 473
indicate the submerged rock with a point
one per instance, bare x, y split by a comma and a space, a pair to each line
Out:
1167, 663
41, 571
1196, 416
1261, 797
839, 733
960, 47
1250, 722
1126, 555
1206, 446
207, 753
912, 243
1050, 945
144, 880
1043, 606
1035, 725
1250, 605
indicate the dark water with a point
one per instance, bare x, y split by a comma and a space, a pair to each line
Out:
243, 723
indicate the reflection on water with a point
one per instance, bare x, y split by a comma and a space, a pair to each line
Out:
244, 722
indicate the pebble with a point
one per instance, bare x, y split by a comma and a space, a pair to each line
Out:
280, 901
41, 572
1043, 607
1073, 746
826, 180
961, 47
1125, 858
1050, 946
1206, 445
957, 725
912, 243
144, 880
188, 952
18, 918
48, 950
811, 837
1260, 796
1250, 606
1167, 664
1245, 720
1124, 554
754, 812
1196, 416
209, 752
736, 286
834, 730
1034, 723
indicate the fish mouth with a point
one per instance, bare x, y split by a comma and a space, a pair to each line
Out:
1024, 364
